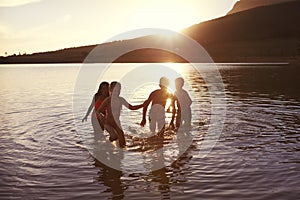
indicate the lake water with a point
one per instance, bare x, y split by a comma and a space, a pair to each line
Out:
44, 154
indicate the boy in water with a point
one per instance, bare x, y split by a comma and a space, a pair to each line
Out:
159, 99
183, 101
113, 106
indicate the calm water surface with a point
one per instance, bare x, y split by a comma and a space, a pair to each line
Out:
257, 156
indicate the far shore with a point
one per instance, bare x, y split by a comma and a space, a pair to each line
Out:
286, 60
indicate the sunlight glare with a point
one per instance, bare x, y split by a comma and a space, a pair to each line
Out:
164, 14
168, 105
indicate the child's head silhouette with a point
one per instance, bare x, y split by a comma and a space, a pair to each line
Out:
179, 82
115, 88
164, 82
103, 88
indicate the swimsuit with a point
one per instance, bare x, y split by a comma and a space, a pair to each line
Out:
97, 105
157, 117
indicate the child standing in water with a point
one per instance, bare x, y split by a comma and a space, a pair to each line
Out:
113, 106
159, 99
183, 102
98, 119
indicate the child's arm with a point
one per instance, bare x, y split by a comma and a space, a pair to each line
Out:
189, 99
89, 110
145, 104
136, 107
129, 106
173, 111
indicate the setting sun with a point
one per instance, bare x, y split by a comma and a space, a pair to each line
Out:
30, 24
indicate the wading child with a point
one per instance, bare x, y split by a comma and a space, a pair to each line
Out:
158, 98
183, 102
98, 119
113, 106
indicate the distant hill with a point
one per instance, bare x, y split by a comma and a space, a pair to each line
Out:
67, 55
261, 34
243, 5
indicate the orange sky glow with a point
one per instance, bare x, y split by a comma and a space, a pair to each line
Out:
28, 26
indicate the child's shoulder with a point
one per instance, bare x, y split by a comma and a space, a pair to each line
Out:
121, 98
181, 92
156, 91
178, 91
186, 93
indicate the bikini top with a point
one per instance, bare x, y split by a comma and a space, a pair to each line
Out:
98, 104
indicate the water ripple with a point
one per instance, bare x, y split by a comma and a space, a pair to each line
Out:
256, 157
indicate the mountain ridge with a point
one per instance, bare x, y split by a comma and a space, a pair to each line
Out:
243, 5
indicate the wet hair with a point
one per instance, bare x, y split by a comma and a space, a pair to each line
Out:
179, 81
103, 84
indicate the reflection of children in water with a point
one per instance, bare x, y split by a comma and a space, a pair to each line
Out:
112, 179
159, 99
98, 119
113, 106
183, 103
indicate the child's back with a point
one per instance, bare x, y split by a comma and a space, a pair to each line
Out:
183, 100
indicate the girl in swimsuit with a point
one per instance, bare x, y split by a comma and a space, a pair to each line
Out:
113, 106
98, 118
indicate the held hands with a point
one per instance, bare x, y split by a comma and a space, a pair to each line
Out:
143, 122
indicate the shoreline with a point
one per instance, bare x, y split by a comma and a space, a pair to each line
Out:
223, 60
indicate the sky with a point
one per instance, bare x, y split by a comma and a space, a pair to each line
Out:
29, 26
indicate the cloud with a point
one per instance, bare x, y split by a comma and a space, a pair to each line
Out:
13, 3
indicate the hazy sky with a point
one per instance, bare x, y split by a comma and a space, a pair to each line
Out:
43, 25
